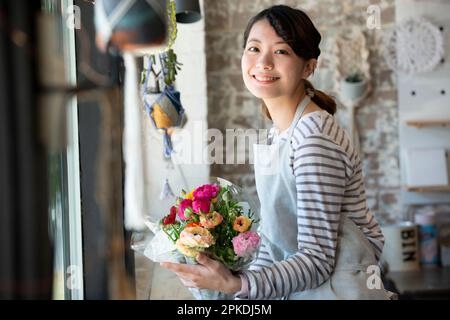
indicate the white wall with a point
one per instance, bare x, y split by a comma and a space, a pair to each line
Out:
191, 82
428, 102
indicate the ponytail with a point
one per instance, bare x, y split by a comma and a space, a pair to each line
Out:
323, 100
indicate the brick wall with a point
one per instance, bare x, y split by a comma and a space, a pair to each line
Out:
230, 105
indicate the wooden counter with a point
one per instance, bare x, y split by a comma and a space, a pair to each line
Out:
427, 283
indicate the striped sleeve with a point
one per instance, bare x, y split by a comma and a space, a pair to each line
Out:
320, 172
263, 259
320, 183
355, 206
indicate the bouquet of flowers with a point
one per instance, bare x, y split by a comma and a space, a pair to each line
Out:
216, 218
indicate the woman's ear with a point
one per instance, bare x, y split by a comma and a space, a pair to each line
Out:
310, 66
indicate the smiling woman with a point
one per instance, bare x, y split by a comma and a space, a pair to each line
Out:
309, 183
294, 53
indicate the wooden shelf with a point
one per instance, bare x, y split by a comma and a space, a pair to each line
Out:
428, 188
428, 123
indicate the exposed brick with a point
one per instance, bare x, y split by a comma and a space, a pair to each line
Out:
377, 119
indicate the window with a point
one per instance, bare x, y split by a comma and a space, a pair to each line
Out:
64, 172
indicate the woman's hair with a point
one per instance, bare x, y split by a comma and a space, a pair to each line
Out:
298, 31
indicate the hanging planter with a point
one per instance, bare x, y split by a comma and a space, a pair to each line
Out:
162, 100
123, 26
353, 86
188, 11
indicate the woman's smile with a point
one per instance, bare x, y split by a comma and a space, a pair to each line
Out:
264, 79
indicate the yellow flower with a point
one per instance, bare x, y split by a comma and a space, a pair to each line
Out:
242, 223
190, 195
214, 200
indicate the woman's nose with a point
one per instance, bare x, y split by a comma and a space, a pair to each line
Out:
264, 63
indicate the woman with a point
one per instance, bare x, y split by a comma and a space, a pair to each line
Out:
319, 239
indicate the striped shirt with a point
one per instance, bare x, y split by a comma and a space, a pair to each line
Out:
329, 182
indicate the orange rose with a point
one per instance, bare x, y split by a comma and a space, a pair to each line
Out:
211, 220
242, 223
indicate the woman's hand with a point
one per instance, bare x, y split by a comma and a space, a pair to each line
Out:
208, 274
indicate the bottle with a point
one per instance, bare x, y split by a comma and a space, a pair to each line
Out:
428, 238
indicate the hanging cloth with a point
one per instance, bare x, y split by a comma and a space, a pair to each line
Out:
164, 109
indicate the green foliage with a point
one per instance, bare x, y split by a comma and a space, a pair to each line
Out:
354, 77
172, 23
171, 65
169, 58
224, 233
173, 230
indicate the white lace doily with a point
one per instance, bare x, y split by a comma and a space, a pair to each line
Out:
413, 46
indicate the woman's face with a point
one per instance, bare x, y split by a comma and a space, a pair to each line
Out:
270, 68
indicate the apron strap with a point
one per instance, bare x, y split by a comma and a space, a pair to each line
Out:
298, 114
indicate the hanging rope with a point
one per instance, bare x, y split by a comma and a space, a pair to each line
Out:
164, 109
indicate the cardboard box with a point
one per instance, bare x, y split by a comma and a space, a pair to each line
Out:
426, 167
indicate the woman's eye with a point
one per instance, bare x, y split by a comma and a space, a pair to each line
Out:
281, 51
253, 49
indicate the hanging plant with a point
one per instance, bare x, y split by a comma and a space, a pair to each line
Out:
171, 65
354, 77
172, 25
168, 58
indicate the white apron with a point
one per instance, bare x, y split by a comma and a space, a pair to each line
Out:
276, 187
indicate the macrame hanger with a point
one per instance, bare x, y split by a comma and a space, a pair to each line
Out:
167, 143
350, 53
147, 76
168, 148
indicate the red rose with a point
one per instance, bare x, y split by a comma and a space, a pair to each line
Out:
170, 218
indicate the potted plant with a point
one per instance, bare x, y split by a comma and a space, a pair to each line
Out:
353, 86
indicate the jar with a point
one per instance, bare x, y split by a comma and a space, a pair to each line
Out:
401, 248
428, 238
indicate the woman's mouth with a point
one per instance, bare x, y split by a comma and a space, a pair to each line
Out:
264, 79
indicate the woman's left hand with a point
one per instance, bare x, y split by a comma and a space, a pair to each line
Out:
208, 274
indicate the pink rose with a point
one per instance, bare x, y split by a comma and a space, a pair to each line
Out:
201, 204
246, 243
207, 191
185, 204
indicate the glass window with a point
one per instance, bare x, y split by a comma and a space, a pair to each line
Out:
64, 172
